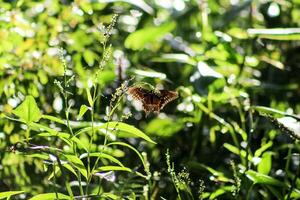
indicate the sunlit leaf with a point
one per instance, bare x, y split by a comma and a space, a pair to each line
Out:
165, 127
113, 168
77, 163
50, 196
54, 119
175, 57
110, 196
151, 74
28, 111
139, 3
265, 164
8, 194
140, 38
83, 109
220, 191
259, 178
276, 33
102, 155
205, 70
264, 147
130, 147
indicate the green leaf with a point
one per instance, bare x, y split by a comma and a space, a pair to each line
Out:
265, 164
132, 148
138, 3
264, 179
54, 119
28, 111
77, 163
63, 136
220, 191
175, 57
83, 109
4, 195
50, 196
89, 57
165, 127
38, 155
70, 168
103, 155
123, 130
140, 38
237, 151
151, 74
130, 131
276, 33
268, 110
110, 196
89, 96
264, 147
113, 168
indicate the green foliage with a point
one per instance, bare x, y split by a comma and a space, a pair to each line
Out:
69, 130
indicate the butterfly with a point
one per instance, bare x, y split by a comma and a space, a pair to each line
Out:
152, 101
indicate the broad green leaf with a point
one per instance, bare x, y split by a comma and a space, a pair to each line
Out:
265, 164
130, 147
102, 155
110, 196
8, 194
83, 109
106, 77
175, 57
151, 74
28, 111
70, 168
221, 191
113, 168
49, 196
165, 127
63, 136
264, 179
295, 194
38, 155
121, 129
54, 119
89, 57
140, 38
77, 163
130, 131
138, 3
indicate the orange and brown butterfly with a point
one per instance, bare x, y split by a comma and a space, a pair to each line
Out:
152, 100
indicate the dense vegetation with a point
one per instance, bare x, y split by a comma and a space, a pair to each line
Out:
70, 130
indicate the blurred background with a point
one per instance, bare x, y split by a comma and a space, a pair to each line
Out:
222, 57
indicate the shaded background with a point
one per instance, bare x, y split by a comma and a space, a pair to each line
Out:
221, 56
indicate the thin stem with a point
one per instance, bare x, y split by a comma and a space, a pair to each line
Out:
90, 174
55, 190
294, 182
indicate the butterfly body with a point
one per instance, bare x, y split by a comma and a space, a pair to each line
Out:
152, 100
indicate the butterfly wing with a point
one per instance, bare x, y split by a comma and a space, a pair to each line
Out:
167, 96
152, 101
142, 95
